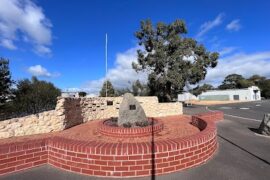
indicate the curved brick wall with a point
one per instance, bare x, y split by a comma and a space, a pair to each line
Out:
116, 159
130, 132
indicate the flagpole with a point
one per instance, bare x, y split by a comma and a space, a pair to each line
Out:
106, 62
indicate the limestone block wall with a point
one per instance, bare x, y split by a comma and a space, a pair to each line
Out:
168, 109
69, 111
34, 124
101, 108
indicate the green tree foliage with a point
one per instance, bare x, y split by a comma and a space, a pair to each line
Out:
139, 89
256, 79
264, 85
199, 89
82, 94
122, 91
5, 81
235, 81
35, 96
171, 59
110, 90
245, 83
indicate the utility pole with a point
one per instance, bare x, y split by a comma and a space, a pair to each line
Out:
106, 62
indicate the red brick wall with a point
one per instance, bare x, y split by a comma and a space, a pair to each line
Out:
20, 156
115, 159
132, 159
130, 132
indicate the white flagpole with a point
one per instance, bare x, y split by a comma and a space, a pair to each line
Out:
106, 63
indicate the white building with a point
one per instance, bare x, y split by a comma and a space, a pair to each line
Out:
186, 96
252, 93
69, 94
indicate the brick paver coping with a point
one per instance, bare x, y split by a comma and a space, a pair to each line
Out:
185, 141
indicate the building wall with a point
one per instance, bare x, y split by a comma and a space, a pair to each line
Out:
186, 97
70, 112
244, 94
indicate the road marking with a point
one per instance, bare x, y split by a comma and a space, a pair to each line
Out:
250, 119
243, 118
244, 108
225, 108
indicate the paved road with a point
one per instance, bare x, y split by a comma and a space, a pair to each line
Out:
254, 110
242, 155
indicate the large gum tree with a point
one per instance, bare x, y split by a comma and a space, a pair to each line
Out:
171, 59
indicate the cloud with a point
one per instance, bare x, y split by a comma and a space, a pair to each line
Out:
42, 50
8, 44
240, 63
227, 50
122, 75
40, 71
234, 25
22, 20
207, 26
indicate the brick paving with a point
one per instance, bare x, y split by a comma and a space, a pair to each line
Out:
175, 127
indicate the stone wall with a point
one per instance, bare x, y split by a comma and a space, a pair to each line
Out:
34, 124
101, 108
69, 111
73, 111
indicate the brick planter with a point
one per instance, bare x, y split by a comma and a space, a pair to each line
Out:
115, 159
130, 132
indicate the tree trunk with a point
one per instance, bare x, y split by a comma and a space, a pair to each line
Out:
168, 94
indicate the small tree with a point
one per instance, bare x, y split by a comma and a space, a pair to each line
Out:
199, 89
235, 81
82, 94
171, 59
35, 96
257, 79
264, 85
5, 81
110, 90
139, 89
122, 91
